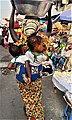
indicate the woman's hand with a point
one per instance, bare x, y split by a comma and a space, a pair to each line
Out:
28, 80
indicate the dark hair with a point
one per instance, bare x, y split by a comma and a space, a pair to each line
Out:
32, 41
65, 37
15, 50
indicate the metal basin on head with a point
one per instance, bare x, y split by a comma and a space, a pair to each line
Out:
32, 7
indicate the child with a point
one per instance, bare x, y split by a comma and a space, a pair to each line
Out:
47, 65
32, 92
16, 52
55, 57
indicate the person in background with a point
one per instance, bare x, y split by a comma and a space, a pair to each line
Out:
68, 64
65, 57
5, 36
5, 42
55, 57
47, 65
63, 42
50, 50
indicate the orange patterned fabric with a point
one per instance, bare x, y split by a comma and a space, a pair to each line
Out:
32, 97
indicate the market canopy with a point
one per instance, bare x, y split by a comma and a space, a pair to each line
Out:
36, 8
54, 12
66, 15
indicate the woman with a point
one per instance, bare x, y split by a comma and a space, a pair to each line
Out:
31, 92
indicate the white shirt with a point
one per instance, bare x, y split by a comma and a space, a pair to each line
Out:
21, 59
29, 56
35, 60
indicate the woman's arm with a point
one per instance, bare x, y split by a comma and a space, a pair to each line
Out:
11, 24
49, 26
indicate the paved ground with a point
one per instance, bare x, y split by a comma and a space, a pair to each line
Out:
11, 104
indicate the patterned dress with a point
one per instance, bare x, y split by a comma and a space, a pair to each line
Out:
31, 93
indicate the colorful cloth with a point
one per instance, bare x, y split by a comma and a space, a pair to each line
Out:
35, 66
21, 75
32, 97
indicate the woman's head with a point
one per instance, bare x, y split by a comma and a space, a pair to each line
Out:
35, 43
15, 50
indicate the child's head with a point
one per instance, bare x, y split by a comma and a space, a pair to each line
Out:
15, 50
65, 39
35, 43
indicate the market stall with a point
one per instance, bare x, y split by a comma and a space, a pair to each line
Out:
63, 81
66, 15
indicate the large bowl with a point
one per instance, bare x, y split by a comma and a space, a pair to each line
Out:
32, 7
